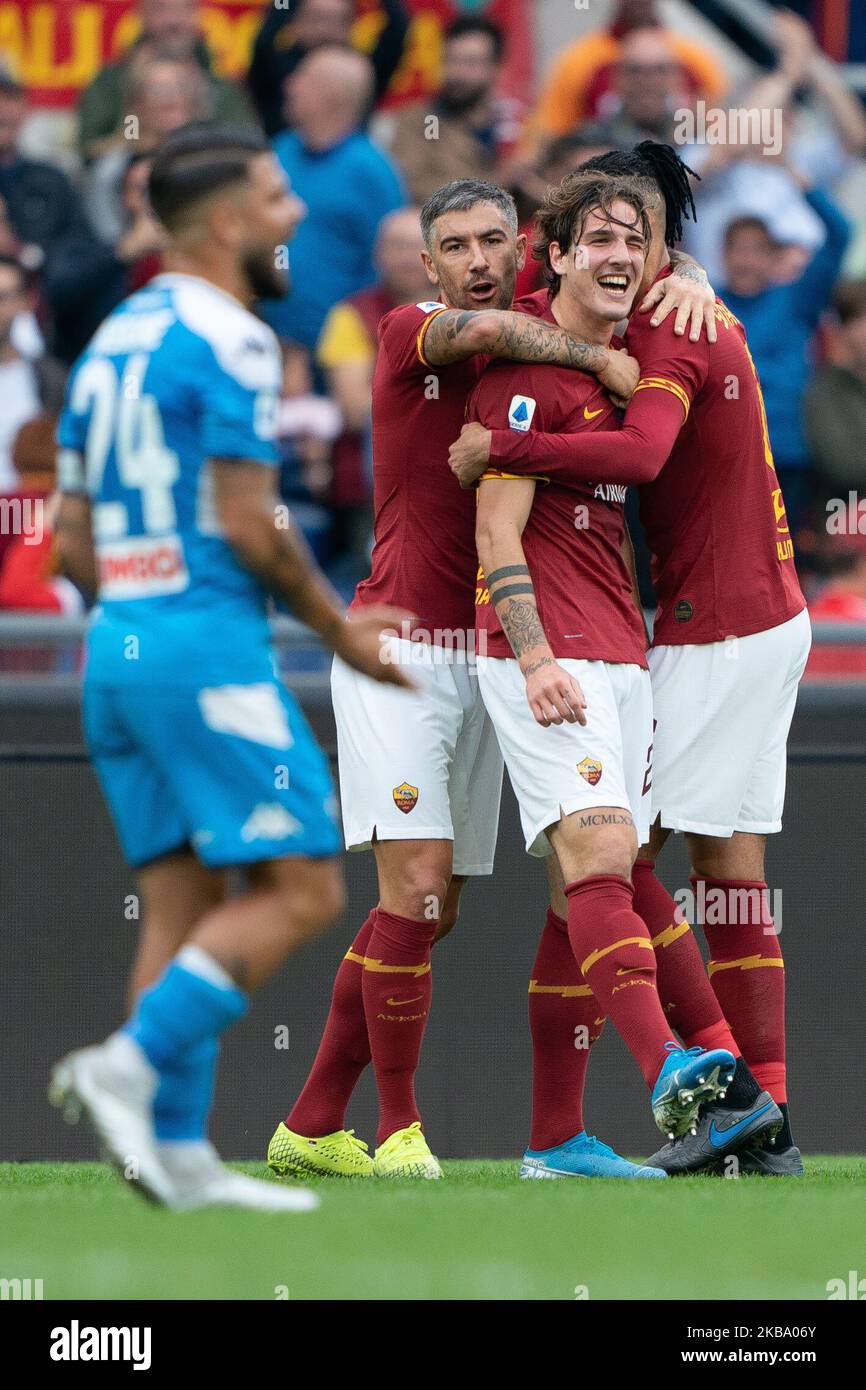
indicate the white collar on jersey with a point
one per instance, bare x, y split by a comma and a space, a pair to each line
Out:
184, 277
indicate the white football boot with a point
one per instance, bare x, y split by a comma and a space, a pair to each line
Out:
200, 1179
112, 1086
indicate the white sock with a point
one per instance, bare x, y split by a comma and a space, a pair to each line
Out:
201, 963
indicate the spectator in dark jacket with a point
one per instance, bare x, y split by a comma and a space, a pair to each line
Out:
291, 30
114, 272
45, 212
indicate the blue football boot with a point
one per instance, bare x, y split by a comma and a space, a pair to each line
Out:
584, 1156
720, 1134
689, 1077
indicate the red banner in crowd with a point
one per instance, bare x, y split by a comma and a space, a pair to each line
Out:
57, 46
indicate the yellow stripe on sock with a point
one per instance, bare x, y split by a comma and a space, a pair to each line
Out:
670, 934
595, 956
746, 963
380, 968
567, 991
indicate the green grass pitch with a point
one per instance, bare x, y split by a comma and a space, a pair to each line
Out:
480, 1234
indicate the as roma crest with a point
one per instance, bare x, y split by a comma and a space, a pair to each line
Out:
590, 770
405, 797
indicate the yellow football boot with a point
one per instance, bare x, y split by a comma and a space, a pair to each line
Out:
338, 1155
406, 1154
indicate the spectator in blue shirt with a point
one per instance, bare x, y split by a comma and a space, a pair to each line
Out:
347, 183
780, 321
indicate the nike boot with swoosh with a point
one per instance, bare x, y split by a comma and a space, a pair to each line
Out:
690, 1079
721, 1132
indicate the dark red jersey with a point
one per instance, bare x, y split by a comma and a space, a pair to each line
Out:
573, 540
695, 437
424, 530
715, 523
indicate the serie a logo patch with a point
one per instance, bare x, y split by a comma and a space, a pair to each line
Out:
590, 770
405, 797
520, 413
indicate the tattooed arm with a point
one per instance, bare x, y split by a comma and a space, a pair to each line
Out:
455, 334
504, 505
687, 290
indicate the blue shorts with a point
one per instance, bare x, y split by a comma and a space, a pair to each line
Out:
231, 770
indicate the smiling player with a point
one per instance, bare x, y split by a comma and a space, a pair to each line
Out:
420, 779
730, 643
565, 679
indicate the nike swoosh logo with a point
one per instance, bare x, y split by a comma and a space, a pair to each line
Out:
720, 1137
395, 1003
591, 414
636, 970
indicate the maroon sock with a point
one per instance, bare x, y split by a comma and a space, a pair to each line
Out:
612, 947
343, 1052
687, 997
747, 973
397, 988
564, 1021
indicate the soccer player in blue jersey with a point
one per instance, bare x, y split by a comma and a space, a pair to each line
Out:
170, 517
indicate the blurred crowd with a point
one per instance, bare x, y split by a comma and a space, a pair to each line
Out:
778, 232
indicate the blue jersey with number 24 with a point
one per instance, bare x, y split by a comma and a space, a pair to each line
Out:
181, 373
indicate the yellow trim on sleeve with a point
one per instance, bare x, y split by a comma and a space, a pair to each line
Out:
518, 477
661, 383
422, 333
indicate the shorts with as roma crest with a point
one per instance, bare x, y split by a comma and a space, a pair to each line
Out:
574, 767
422, 764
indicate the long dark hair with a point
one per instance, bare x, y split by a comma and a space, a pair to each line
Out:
661, 164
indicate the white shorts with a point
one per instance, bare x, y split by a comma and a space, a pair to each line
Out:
723, 711
572, 767
419, 765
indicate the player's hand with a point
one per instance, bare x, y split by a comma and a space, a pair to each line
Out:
620, 376
363, 643
554, 696
694, 303
470, 454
